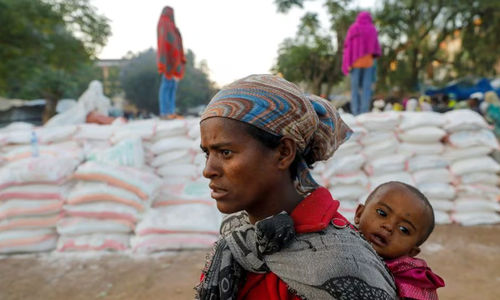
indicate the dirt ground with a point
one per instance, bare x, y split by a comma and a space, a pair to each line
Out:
468, 258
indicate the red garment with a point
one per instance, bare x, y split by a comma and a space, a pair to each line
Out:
414, 279
314, 213
170, 56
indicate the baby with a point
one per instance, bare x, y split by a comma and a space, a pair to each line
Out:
396, 219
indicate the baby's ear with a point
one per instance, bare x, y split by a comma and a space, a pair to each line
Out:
359, 212
414, 251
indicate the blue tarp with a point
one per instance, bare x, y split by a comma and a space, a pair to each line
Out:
464, 88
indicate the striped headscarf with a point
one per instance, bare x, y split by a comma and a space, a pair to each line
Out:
279, 107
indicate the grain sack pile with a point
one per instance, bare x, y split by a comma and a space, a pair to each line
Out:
421, 136
183, 215
343, 172
384, 161
174, 152
468, 146
139, 185
32, 193
105, 204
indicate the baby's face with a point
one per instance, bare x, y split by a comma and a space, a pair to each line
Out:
393, 220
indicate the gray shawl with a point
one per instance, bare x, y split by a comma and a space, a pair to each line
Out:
335, 263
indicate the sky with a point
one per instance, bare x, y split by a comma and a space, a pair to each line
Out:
236, 38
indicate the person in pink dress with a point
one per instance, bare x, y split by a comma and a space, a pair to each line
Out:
396, 220
361, 48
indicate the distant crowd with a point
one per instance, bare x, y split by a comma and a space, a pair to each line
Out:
486, 104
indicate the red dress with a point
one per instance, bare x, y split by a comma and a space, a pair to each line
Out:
314, 213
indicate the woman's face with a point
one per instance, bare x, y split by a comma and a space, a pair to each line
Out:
243, 172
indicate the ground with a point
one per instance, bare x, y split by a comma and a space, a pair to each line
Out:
466, 257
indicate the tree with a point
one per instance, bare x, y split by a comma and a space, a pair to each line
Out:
415, 36
195, 88
141, 81
47, 47
315, 57
307, 58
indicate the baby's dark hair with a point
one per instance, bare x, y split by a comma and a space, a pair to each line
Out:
420, 196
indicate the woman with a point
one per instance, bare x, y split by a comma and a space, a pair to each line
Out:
361, 47
284, 238
170, 61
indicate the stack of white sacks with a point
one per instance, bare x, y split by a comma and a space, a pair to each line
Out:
421, 136
174, 151
94, 137
446, 156
35, 164
111, 192
183, 215
32, 192
138, 135
384, 162
145, 178
343, 174
22, 140
469, 144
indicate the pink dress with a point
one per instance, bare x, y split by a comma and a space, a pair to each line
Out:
414, 279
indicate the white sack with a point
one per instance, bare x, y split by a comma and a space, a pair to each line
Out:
386, 164
379, 121
357, 178
381, 149
472, 165
344, 165
463, 119
432, 175
174, 143
404, 177
411, 120
421, 162
426, 134
437, 190
348, 192
453, 153
79, 226
486, 178
465, 139
199, 218
443, 205
465, 206
144, 184
420, 149
476, 218
128, 152
94, 242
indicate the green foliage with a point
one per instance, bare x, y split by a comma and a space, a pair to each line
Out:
411, 33
313, 56
46, 48
140, 81
195, 88
285, 5
81, 18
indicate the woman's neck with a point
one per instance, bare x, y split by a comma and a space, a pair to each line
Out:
285, 200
